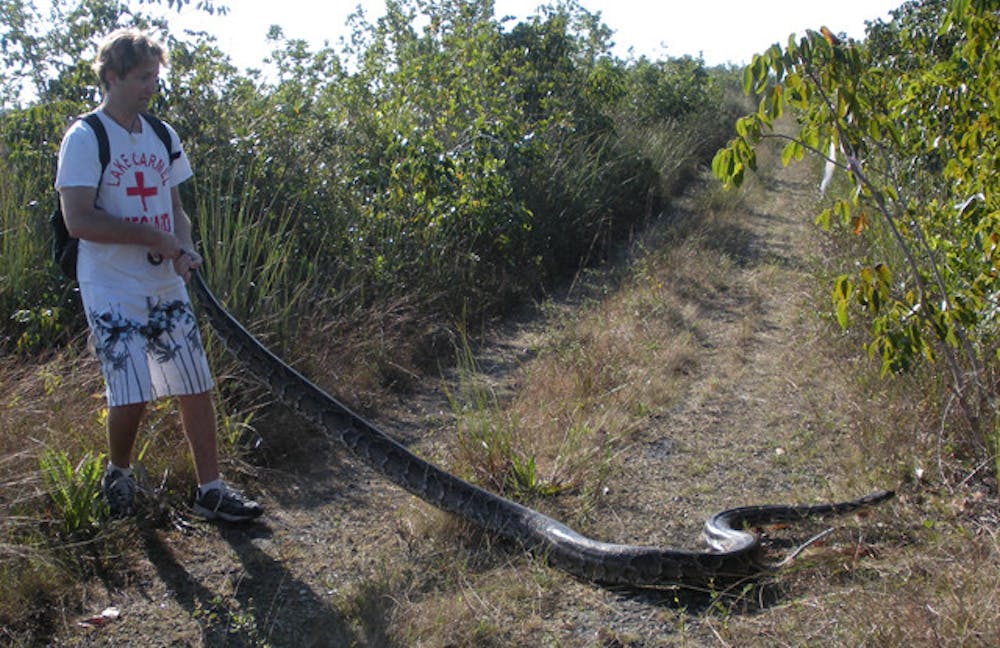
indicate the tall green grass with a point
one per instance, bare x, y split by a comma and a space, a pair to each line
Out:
20, 234
253, 261
35, 309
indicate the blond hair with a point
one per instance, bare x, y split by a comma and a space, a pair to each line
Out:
126, 49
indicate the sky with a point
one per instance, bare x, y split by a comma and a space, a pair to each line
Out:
720, 31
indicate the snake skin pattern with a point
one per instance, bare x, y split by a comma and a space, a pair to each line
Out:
735, 553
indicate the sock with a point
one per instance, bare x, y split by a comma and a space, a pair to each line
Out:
212, 485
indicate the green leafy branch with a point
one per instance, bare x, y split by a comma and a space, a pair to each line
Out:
919, 142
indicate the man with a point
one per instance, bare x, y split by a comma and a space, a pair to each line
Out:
135, 256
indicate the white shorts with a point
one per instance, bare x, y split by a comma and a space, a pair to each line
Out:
149, 346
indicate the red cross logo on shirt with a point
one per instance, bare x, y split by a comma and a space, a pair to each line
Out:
140, 189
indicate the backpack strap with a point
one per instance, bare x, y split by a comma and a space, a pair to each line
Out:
103, 147
64, 246
161, 131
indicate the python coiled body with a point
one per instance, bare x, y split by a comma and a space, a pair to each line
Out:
735, 553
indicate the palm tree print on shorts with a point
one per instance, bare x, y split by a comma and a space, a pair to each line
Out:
173, 359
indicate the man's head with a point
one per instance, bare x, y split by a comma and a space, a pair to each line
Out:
125, 50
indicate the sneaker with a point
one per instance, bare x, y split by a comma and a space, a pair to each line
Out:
119, 490
226, 504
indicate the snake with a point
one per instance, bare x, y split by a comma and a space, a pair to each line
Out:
735, 551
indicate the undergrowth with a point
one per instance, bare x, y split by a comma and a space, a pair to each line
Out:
360, 224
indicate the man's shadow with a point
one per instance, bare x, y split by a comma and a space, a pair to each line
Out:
264, 613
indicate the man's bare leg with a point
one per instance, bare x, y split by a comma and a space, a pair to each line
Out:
198, 417
123, 428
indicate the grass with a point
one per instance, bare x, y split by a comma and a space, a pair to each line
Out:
24, 237
927, 575
615, 358
54, 535
615, 362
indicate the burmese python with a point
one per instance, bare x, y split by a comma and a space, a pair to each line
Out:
735, 555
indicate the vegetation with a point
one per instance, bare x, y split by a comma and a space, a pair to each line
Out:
364, 210
434, 175
914, 115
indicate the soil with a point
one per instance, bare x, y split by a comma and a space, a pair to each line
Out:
344, 558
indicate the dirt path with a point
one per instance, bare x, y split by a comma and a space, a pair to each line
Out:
343, 558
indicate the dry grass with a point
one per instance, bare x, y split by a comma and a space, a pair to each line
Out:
57, 403
928, 583
928, 573
700, 328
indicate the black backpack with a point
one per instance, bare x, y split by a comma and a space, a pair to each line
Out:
64, 246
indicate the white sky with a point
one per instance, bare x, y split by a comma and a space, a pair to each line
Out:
722, 31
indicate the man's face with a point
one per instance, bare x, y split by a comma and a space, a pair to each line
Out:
135, 90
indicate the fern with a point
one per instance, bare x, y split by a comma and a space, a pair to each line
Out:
75, 491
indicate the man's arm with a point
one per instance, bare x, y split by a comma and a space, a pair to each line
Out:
84, 221
190, 259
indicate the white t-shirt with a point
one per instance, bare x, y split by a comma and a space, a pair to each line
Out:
136, 186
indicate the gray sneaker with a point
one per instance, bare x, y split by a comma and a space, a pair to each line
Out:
226, 504
119, 491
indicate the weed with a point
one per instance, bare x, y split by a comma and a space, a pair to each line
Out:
488, 438
74, 491
235, 428
40, 328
